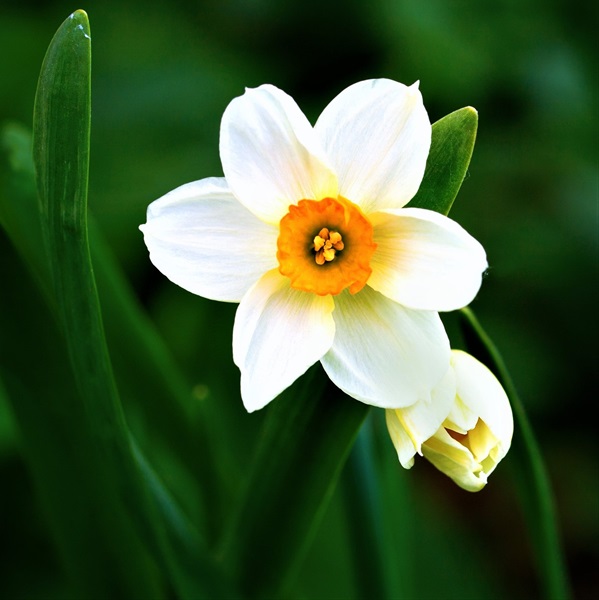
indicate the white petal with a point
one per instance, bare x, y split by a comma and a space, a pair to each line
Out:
482, 393
377, 135
425, 260
455, 460
404, 444
384, 354
461, 419
278, 334
410, 427
483, 413
270, 154
205, 241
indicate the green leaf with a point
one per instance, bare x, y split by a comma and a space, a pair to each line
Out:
307, 436
534, 479
92, 531
365, 527
61, 157
158, 394
8, 429
396, 509
19, 211
452, 144
61, 125
153, 387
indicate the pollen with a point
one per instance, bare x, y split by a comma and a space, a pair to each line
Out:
325, 246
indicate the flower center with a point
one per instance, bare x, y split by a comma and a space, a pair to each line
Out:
325, 246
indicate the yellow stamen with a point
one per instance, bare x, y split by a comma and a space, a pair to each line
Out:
335, 237
326, 244
329, 254
337, 257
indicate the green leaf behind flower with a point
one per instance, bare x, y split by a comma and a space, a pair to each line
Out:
452, 144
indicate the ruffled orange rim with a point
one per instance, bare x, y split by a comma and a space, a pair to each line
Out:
328, 263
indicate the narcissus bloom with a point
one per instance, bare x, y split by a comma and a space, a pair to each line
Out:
465, 430
308, 232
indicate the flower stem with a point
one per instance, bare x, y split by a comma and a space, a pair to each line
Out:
303, 446
363, 504
541, 513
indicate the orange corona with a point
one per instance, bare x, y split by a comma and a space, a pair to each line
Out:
325, 246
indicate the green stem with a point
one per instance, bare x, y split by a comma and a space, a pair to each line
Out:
303, 446
541, 516
364, 509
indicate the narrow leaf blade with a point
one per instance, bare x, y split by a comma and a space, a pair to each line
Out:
62, 119
145, 370
61, 156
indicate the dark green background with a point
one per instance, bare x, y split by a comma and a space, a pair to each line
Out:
163, 72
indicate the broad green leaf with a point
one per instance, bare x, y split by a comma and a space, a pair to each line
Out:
61, 157
307, 436
153, 387
452, 144
534, 482
102, 551
86, 516
159, 395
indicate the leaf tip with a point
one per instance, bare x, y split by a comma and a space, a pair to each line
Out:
468, 117
82, 20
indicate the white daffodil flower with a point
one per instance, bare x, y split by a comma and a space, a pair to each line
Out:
307, 231
473, 431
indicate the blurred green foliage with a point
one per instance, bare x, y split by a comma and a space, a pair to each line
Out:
162, 75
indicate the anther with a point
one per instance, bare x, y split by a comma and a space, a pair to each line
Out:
326, 245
